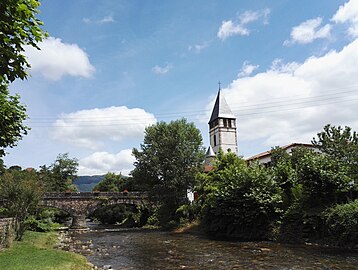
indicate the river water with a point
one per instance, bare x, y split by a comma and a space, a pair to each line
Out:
152, 249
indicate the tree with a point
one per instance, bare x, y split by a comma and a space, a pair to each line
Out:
324, 180
60, 175
111, 183
170, 156
20, 193
19, 27
341, 145
337, 142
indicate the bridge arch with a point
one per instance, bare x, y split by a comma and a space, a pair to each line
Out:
80, 205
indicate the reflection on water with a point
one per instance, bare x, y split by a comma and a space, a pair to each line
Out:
148, 249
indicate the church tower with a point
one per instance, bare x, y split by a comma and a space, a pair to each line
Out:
222, 126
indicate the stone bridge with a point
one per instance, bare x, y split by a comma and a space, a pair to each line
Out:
80, 205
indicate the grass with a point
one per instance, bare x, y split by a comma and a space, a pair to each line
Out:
36, 252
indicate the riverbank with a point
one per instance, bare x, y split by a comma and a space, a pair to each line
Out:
37, 252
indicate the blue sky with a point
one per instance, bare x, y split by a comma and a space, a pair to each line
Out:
110, 68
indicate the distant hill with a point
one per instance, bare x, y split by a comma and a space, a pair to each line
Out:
86, 183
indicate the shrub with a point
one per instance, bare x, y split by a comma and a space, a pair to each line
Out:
341, 222
240, 201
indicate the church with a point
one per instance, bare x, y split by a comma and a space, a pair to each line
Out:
222, 130
223, 134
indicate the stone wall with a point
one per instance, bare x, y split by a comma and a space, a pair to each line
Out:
6, 232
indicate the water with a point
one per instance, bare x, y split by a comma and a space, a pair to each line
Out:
150, 249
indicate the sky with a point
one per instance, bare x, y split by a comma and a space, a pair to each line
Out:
110, 68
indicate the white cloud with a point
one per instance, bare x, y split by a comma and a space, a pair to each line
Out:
56, 59
105, 19
247, 69
91, 128
162, 70
230, 28
102, 162
275, 106
198, 47
309, 31
348, 13
251, 16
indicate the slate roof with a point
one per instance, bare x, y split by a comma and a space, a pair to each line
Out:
221, 109
210, 152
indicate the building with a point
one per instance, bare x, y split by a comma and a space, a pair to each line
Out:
265, 157
222, 127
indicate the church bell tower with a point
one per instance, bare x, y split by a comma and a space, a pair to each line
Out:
222, 126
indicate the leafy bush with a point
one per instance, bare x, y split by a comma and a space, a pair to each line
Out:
240, 201
300, 224
342, 223
38, 225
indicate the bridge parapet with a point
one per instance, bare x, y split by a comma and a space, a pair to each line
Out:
94, 195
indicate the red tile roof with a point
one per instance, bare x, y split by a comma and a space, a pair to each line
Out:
267, 153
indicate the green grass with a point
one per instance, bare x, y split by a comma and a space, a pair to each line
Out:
36, 252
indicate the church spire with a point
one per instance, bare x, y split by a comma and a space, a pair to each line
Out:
221, 108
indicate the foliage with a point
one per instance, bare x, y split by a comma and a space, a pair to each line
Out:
337, 142
59, 176
19, 27
188, 212
42, 220
286, 178
12, 115
324, 181
20, 192
36, 252
110, 214
166, 164
341, 145
111, 183
278, 154
2, 167
341, 222
125, 215
238, 200
301, 223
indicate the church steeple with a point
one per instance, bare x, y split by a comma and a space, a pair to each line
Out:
222, 126
221, 108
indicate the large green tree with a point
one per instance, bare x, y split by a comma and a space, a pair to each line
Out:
19, 27
341, 144
167, 162
59, 176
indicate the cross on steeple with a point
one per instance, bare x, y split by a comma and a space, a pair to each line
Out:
219, 85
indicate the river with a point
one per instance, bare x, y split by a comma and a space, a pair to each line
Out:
152, 249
